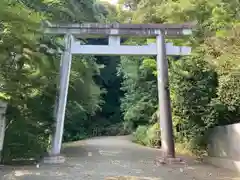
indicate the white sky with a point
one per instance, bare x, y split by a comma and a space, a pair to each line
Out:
111, 1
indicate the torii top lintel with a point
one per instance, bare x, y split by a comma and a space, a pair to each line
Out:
101, 30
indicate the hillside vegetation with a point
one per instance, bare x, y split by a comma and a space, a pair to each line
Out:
117, 95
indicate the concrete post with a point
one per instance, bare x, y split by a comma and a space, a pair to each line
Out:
62, 100
3, 106
164, 98
52, 136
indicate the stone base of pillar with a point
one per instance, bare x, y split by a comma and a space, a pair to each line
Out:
59, 159
169, 160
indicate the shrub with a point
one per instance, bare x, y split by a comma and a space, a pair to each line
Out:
148, 135
153, 136
116, 130
140, 135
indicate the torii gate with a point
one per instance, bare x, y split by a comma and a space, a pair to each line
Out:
114, 32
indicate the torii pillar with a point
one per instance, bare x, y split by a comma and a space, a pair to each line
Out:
114, 32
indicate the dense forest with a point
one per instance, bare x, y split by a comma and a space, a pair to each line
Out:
117, 95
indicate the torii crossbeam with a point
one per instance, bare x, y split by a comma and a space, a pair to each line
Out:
114, 32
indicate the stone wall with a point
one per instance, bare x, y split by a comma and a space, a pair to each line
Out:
224, 146
224, 142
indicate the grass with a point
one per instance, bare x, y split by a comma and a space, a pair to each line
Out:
183, 149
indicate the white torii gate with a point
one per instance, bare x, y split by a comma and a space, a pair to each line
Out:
114, 48
114, 32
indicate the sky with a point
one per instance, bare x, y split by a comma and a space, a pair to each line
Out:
111, 1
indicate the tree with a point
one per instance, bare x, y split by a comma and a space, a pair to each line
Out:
139, 85
29, 75
200, 84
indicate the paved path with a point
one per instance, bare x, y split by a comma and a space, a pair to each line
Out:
114, 158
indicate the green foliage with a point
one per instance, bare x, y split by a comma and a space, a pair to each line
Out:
23, 82
223, 54
24, 138
29, 75
204, 86
154, 135
140, 135
109, 81
190, 97
148, 135
139, 85
116, 130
